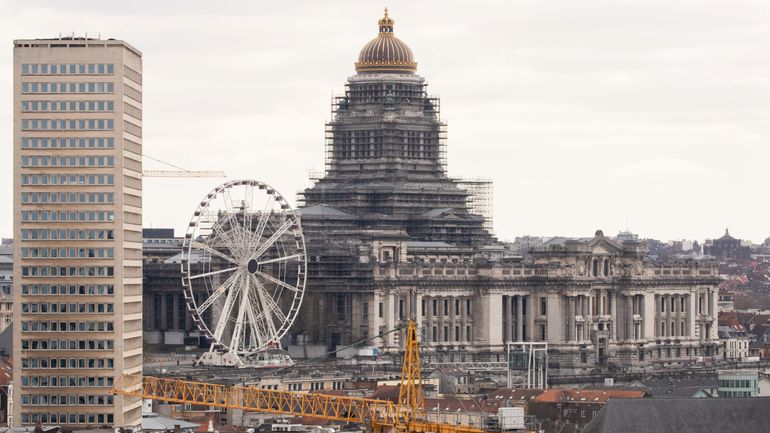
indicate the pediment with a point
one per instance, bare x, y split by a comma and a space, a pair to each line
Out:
604, 246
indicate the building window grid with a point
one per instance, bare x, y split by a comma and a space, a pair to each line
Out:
67, 307
69, 345
79, 179
67, 143
67, 161
66, 271
67, 253
67, 216
67, 290
67, 124
68, 68
67, 87
64, 326
67, 197
66, 418
72, 106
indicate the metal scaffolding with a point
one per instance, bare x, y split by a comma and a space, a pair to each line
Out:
481, 198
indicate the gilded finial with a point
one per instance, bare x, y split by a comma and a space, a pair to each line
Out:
386, 23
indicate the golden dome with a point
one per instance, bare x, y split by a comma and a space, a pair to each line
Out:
386, 53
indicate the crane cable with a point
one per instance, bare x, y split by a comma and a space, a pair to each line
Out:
164, 162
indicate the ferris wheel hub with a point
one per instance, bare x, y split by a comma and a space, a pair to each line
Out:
252, 266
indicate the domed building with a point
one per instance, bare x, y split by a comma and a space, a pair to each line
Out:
390, 236
727, 247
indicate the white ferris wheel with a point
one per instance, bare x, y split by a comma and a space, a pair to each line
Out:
243, 269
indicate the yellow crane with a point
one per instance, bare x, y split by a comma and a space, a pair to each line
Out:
405, 416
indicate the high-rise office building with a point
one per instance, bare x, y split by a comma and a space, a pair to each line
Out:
77, 230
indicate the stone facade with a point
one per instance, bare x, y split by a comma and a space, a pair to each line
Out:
597, 303
390, 237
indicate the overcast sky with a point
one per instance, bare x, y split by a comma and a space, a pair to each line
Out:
647, 115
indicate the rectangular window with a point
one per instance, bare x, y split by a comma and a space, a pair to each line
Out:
340, 307
543, 307
379, 312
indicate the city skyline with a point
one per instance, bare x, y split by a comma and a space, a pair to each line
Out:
611, 116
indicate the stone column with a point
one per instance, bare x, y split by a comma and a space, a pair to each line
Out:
630, 302
163, 311
487, 319
614, 315
554, 325
600, 302
648, 316
506, 306
571, 335
453, 314
374, 319
519, 318
531, 309
691, 313
418, 308
390, 318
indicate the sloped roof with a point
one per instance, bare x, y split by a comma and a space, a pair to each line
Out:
322, 210
682, 415
437, 212
156, 422
427, 244
6, 340
601, 396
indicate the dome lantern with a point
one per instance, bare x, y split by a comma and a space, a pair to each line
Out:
386, 23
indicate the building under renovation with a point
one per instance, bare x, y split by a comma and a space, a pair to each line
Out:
391, 236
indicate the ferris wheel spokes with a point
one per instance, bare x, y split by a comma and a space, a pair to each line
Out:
242, 257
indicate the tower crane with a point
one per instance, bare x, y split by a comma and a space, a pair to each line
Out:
179, 171
381, 416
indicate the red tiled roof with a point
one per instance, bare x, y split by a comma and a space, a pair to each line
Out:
6, 373
386, 392
551, 395
601, 396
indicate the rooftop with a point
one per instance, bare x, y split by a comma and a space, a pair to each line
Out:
72, 42
682, 415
